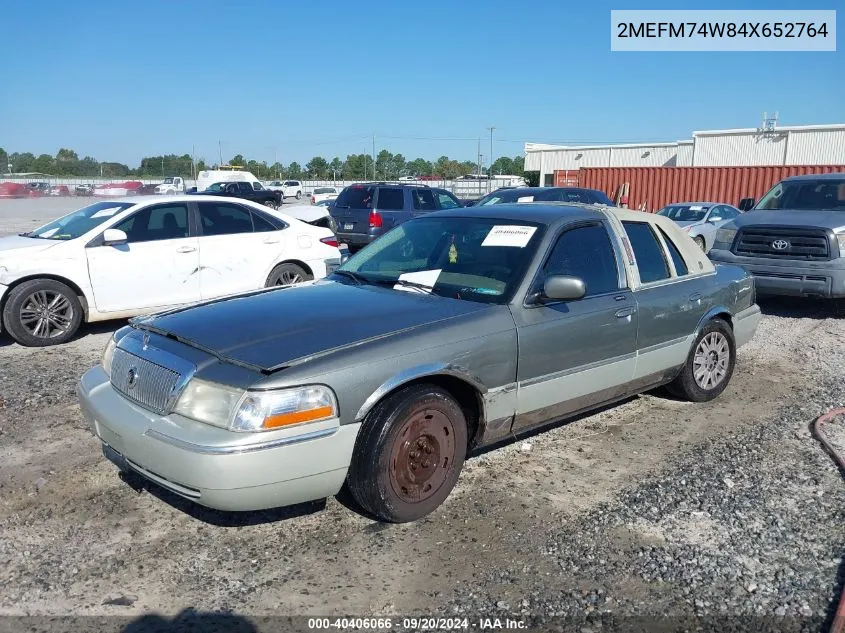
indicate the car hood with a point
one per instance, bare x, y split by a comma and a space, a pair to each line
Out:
269, 330
789, 217
24, 245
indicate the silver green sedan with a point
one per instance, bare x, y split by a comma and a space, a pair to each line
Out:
700, 219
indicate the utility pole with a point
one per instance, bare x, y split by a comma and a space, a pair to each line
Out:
193, 161
220, 149
489, 181
162, 166
479, 156
374, 156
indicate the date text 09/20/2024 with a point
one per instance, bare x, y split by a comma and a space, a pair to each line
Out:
415, 624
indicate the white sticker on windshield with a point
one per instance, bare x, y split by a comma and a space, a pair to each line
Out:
514, 235
423, 277
696, 207
525, 199
106, 213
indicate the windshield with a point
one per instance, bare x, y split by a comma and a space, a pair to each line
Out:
684, 212
806, 195
167, 181
324, 190
79, 222
474, 259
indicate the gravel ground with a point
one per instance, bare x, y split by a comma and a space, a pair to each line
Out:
654, 508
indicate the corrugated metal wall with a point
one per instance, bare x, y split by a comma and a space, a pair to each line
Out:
658, 186
815, 147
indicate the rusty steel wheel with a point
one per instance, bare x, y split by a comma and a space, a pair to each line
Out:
409, 454
421, 455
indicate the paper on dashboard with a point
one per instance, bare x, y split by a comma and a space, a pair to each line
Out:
424, 277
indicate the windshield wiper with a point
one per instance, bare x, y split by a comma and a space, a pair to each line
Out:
32, 235
354, 276
402, 282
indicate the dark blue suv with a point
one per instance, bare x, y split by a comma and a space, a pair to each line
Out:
365, 211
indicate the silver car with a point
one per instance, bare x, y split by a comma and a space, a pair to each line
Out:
454, 331
700, 220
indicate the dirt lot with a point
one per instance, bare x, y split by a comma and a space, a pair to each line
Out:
652, 507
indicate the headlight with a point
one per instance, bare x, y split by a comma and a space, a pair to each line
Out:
726, 236
108, 353
841, 238
253, 411
267, 410
209, 402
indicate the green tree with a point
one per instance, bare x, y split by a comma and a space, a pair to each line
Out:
419, 167
336, 167
294, 171
444, 167
238, 159
317, 168
88, 166
4, 161
468, 167
43, 164
21, 163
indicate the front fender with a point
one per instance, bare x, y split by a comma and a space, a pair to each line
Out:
415, 373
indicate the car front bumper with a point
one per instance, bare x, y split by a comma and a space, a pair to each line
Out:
214, 467
790, 277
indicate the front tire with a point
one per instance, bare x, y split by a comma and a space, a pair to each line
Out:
288, 275
409, 454
709, 366
42, 312
272, 204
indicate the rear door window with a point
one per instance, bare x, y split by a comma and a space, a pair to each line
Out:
423, 200
677, 258
649, 255
356, 197
390, 199
447, 200
221, 218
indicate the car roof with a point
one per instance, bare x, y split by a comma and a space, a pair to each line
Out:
696, 204
833, 176
539, 212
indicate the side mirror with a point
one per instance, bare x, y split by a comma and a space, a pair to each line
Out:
563, 288
113, 237
746, 203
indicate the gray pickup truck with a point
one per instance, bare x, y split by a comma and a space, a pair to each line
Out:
793, 241
455, 330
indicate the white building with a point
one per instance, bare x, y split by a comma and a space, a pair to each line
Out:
788, 145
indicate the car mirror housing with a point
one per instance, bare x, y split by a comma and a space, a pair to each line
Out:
112, 237
746, 203
563, 288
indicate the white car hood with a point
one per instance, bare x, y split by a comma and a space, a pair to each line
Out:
15, 245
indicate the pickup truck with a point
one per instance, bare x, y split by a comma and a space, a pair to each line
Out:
793, 240
460, 329
246, 190
171, 186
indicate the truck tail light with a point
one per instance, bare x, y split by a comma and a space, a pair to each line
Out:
330, 241
313, 200
375, 219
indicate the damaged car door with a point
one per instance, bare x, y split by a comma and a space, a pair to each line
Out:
149, 260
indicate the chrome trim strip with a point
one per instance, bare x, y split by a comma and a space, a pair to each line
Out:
244, 448
657, 346
576, 370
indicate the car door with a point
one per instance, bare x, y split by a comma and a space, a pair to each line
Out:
157, 266
671, 300
575, 354
233, 255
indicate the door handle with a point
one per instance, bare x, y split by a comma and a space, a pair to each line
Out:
620, 297
695, 296
625, 312
186, 249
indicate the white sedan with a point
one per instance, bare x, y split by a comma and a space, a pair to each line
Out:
120, 258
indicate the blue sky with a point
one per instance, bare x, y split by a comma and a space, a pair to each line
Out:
313, 78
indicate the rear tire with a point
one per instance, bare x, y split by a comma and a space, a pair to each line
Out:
287, 274
701, 243
409, 454
709, 366
298, 195
42, 312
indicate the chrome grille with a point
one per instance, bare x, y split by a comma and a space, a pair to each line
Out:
153, 385
810, 244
